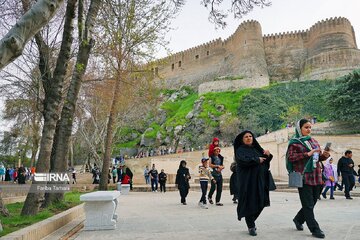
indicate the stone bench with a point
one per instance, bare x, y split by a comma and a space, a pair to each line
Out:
100, 209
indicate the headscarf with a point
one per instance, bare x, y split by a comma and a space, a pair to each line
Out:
239, 142
181, 162
215, 139
303, 140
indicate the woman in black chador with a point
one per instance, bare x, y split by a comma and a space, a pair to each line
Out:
253, 163
182, 181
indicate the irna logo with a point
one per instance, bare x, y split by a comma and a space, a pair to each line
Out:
51, 177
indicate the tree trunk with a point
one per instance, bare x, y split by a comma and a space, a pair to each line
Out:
3, 210
109, 136
13, 43
52, 103
68, 112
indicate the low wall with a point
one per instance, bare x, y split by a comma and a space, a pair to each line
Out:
276, 142
42, 229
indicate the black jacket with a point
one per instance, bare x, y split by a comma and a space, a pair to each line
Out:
253, 177
162, 177
343, 166
182, 178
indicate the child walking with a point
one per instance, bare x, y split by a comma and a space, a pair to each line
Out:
205, 176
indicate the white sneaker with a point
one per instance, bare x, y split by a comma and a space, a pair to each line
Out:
155, 190
200, 204
205, 206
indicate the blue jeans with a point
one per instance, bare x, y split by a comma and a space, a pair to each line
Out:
203, 185
147, 179
331, 191
154, 184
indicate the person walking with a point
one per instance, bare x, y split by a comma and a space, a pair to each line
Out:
154, 178
217, 164
114, 174
162, 180
303, 156
233, 183
252, 166
74, 176
345, 172
146, 175
2, 172
182, 181
329, 172
204, 177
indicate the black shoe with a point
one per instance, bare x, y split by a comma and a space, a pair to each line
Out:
318, 234
184, 203
235, 202
210, 201
324, 196
298, 225
252, 231
332, 198
219, 204
350, 198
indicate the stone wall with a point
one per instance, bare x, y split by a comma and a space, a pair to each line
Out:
327, 50
276, 142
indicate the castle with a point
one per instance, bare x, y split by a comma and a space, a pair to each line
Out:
247, 59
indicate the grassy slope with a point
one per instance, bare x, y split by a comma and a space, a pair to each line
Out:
269, 107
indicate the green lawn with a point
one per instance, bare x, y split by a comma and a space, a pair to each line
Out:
16, 222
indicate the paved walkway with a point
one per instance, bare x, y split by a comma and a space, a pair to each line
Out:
146, 215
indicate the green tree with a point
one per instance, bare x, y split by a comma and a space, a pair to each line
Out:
344, 98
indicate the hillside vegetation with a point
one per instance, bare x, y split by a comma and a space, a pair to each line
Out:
185, 119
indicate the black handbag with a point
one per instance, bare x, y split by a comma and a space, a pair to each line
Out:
295, 179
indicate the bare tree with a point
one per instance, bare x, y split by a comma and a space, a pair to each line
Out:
64, 126
53, 87
13, 43
239, 8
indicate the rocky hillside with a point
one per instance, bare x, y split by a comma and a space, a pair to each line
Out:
185, 120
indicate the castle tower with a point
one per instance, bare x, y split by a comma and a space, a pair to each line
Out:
332, 49
245, 53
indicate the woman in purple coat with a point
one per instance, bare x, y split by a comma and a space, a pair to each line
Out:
331, 176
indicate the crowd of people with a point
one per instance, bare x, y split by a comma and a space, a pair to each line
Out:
18, 175
251, 180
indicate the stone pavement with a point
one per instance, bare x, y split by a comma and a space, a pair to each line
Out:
147, 215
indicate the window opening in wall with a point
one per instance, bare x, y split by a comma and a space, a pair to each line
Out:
172, 66
207, 53
156, 71
179, 63
197, 57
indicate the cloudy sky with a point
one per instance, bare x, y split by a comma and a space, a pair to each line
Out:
192, 28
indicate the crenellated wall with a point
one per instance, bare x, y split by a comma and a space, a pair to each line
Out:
327, 50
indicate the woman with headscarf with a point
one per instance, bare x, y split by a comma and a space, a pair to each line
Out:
300, 158
182, 181
252, 165
330, 171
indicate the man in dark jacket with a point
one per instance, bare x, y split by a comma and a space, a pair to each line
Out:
345, 171
154, 178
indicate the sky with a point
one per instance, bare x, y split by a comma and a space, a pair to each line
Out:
192, 28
